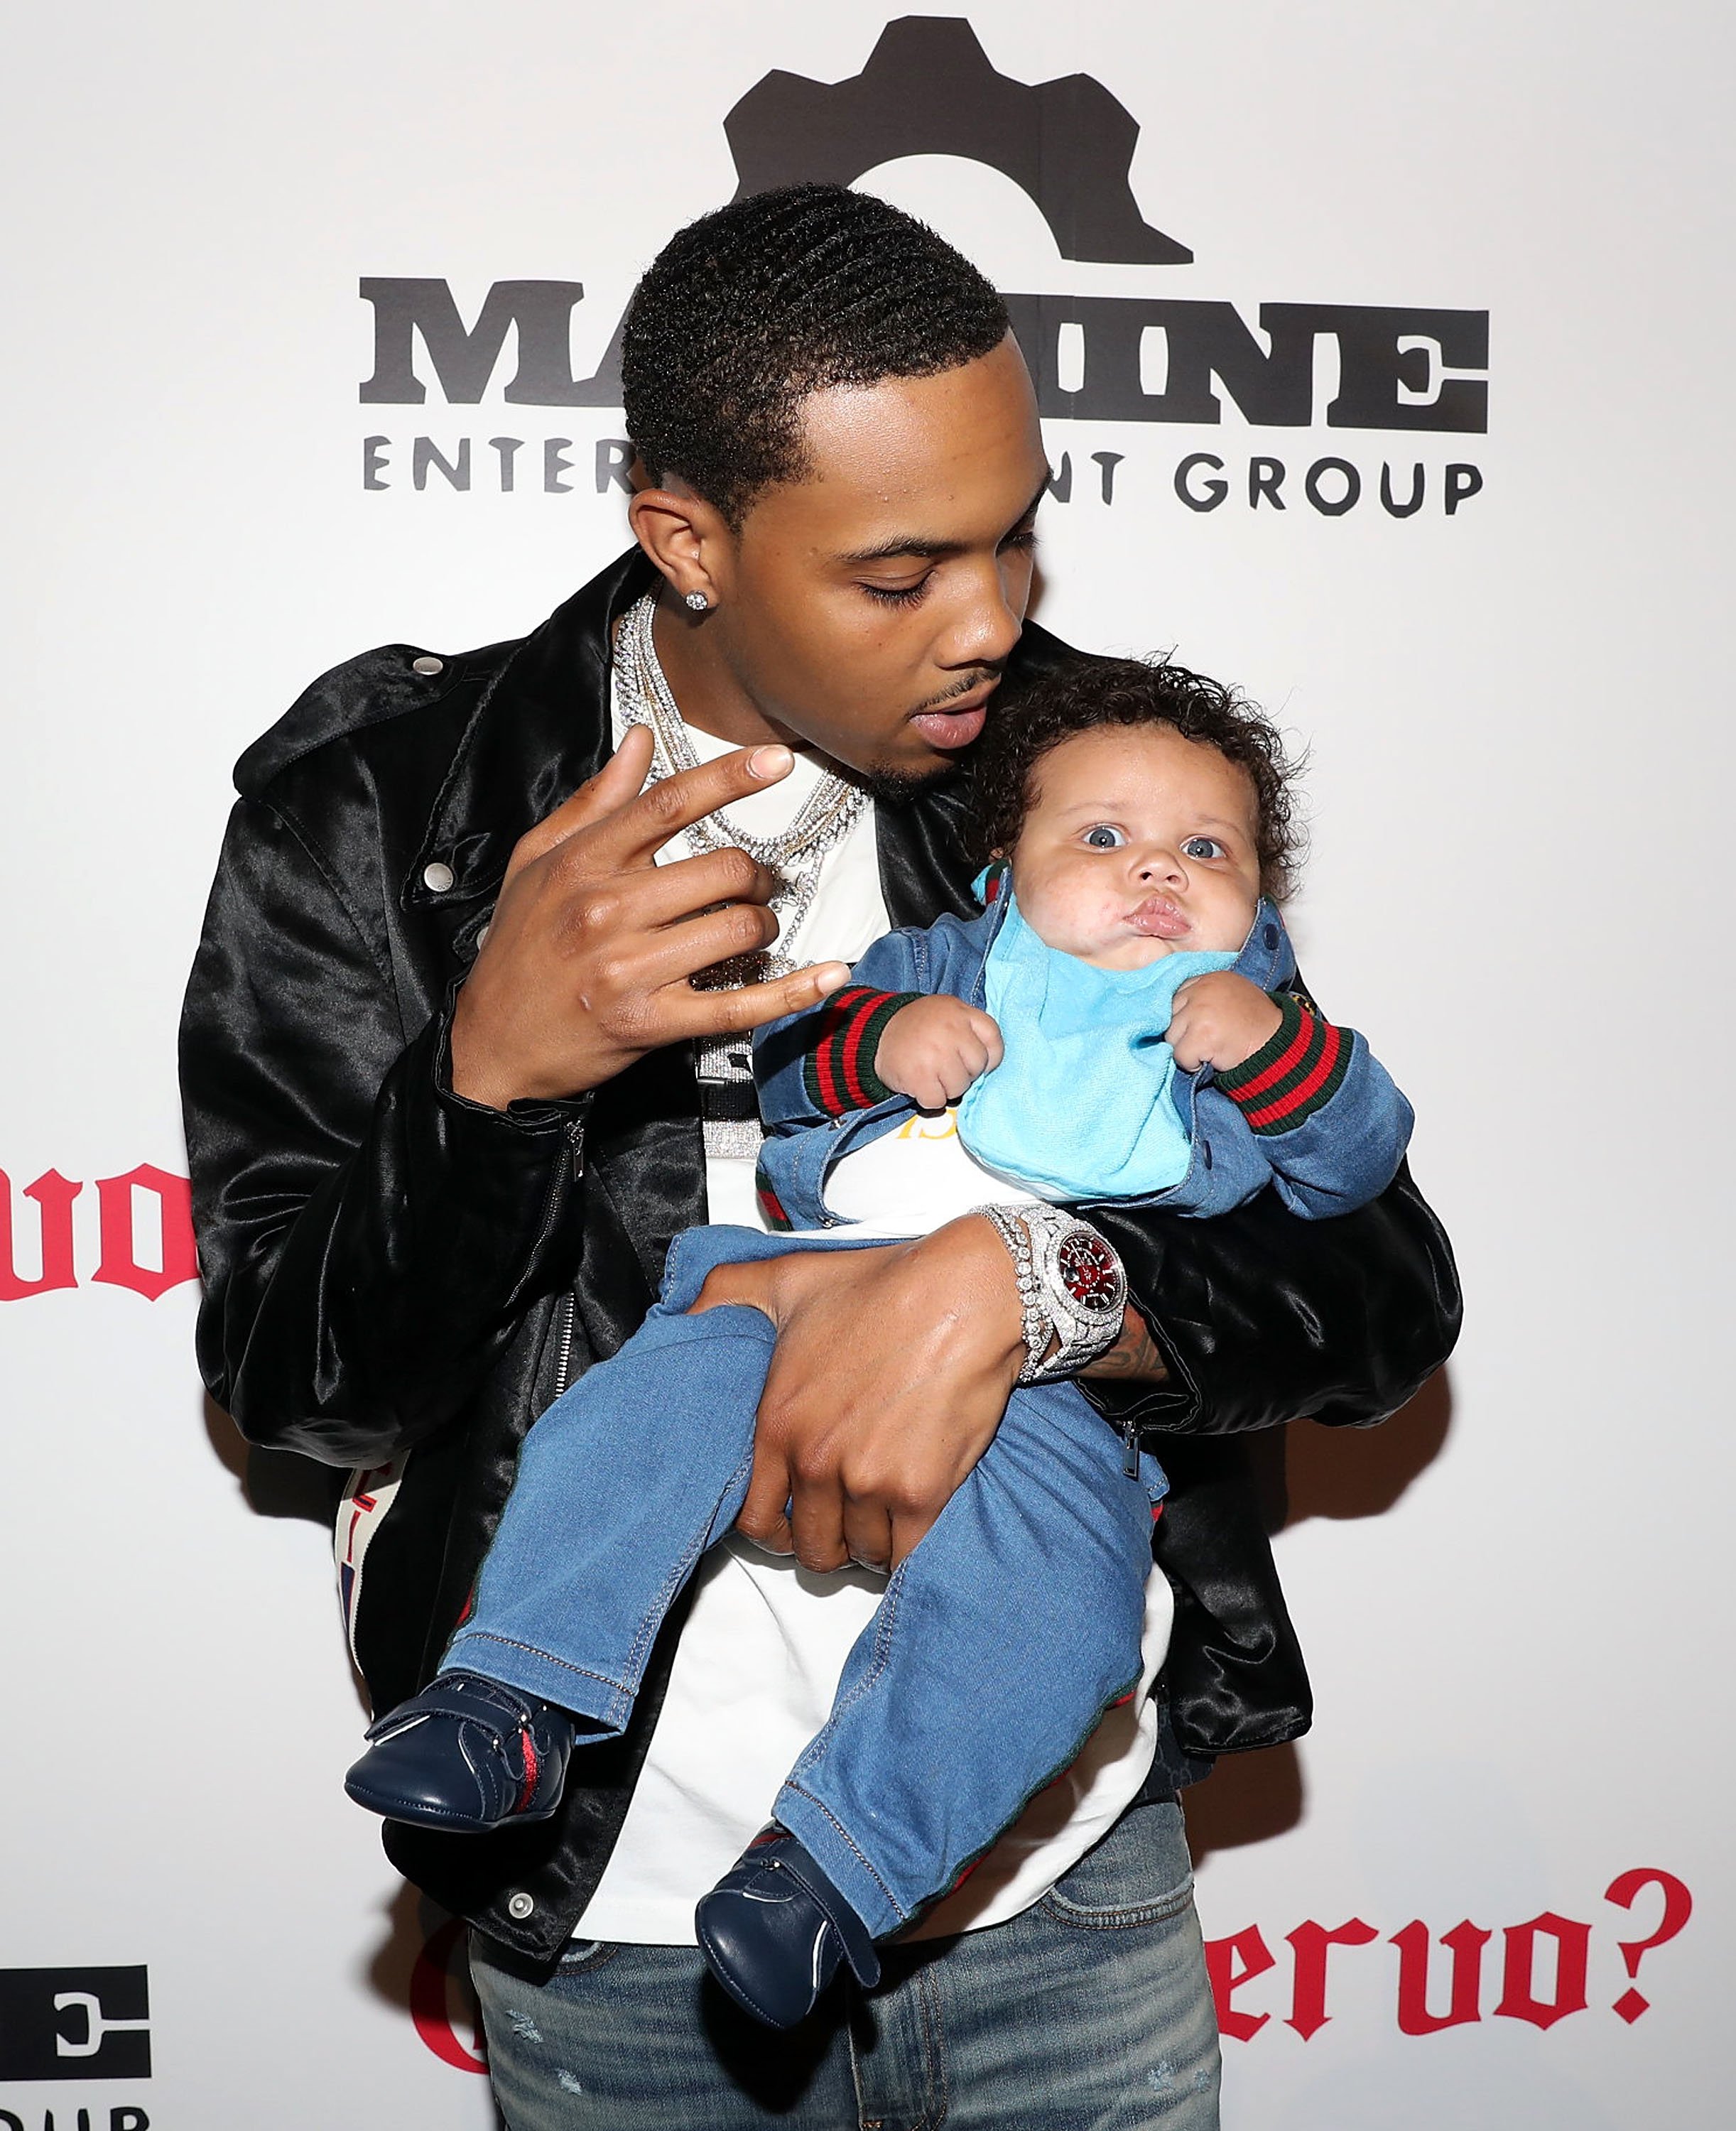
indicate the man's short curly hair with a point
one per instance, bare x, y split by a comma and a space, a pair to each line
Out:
1087, 693
746, 311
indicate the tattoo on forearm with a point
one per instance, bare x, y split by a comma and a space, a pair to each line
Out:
1136, 1355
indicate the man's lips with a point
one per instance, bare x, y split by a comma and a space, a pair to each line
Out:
950, 730
1160, 918
959, 722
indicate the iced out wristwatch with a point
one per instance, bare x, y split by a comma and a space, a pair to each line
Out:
1072, 1291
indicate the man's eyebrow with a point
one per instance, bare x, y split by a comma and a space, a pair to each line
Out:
934, 551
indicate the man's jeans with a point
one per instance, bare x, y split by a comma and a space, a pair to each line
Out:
1090, 2012
1000, 1638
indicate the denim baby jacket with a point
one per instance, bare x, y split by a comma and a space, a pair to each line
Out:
1312, 1113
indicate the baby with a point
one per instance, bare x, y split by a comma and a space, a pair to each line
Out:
1121, 1023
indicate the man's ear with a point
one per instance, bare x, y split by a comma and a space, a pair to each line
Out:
685, 537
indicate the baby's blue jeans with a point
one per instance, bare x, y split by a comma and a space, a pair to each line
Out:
1001, 1637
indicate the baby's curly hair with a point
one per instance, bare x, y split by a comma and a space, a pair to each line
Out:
1088, 692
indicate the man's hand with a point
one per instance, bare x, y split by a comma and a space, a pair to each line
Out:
591, 944
893, 1367
934, 1048
1220, 1019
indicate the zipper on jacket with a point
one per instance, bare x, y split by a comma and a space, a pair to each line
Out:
1130, 1438
573, 1131
563, 1348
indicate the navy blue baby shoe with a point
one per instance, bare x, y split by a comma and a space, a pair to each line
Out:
774, 1929
466, 1753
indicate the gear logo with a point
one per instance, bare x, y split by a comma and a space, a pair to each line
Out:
929, 89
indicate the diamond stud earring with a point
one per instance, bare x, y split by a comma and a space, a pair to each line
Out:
699, 602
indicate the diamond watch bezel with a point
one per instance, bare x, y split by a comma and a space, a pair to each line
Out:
1083, 1324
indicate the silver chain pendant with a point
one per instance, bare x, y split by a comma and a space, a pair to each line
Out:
794, 856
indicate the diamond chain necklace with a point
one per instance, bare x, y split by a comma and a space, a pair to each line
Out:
794, 855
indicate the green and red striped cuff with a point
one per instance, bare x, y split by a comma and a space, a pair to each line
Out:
838, 1072
1292, 1074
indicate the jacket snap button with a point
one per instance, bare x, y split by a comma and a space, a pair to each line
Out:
520, 1906
482, 939
438, 876
427, 666
1268, 936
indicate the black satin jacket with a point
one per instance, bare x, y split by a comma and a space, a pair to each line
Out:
386, 1265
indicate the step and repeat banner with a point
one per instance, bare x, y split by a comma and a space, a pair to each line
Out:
1379, 353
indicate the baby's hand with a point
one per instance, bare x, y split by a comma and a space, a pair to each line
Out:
934, 1048
1220, 1020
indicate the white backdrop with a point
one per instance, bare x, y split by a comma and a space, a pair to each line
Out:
1510, 1597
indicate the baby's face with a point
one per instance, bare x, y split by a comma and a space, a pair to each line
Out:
1138, 844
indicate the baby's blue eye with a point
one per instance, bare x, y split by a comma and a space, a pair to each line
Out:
1104, 837
1203, 847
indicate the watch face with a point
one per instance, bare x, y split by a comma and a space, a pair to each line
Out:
1090, 1271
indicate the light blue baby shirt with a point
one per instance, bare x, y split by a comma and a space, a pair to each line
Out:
1081, 1106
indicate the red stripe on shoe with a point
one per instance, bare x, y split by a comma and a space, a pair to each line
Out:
532, 1769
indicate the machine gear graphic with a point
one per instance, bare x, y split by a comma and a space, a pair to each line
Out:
928, 89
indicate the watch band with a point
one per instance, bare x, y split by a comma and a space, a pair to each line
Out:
1037, 1325
1072, 1291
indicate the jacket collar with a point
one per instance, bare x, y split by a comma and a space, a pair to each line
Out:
539, 729
1267, 957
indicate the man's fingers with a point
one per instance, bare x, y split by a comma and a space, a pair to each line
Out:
762, 1518
817, 1524
748, 1284
615, 785
676, 952
729, 1013
664, 809
867, 1535
666, 894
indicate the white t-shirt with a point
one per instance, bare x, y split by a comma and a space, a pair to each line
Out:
759, 1659
914, 1178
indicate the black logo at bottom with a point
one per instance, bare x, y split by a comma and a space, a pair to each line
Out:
74, 2024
